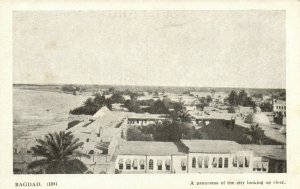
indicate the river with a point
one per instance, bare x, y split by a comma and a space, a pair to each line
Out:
37, 110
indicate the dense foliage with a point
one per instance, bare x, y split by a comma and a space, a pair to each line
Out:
167, 131
117, 98
92, 105
255, 134
204, 102
158, 107
240, 98
216, 130
57, 150
278, 118
133, 106
266, 107
181, 116
135, 134
219, 130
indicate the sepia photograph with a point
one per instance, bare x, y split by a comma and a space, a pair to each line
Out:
114, 92
149, 91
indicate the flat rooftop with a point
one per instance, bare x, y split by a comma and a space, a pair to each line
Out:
146, 116
152, 148
271, 151
212, 146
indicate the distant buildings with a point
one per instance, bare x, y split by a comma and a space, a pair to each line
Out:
217, 97
279, 109
145, 119
104, 136
190, 108
243, 111
200, 94
119, 107
279, 106
204, 119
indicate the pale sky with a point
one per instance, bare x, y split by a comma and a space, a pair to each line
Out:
166, 48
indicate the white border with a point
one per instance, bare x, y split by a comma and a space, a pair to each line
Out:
292, 178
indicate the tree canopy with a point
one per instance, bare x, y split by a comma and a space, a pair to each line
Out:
57, 150
133, 106
92, 105
167, 131
255, 134
117, 98
266, 107
240, 98
157, 108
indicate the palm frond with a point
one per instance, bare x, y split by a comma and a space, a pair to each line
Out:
38, 163
57, 149
72, 146
77, 153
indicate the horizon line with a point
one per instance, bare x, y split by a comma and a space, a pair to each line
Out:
132, 85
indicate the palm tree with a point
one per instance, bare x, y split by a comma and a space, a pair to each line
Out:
184, 116
255, 134
88, 102
58, 150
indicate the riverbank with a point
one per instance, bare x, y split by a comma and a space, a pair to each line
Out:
39, 109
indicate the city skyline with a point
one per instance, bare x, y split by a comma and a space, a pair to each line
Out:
151, 48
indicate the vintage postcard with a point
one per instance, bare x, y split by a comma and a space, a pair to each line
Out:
168, 95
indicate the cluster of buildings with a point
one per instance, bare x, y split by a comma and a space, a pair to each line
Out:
104, 137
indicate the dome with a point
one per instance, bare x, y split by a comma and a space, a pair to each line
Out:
259, 118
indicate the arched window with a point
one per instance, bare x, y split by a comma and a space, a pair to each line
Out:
142, 164
168, 164
183, 164
265, 166
241, 161
226, 163
128, 164
220, 165
194, 162
135, 164
206, 161
121, 164
150, 164
247, 161
159, 165
200, 160
234, 161
214, 162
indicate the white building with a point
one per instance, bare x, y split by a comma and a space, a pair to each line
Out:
145, 119
217, 156
190, 108
150, 157
279, 106
197, 156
